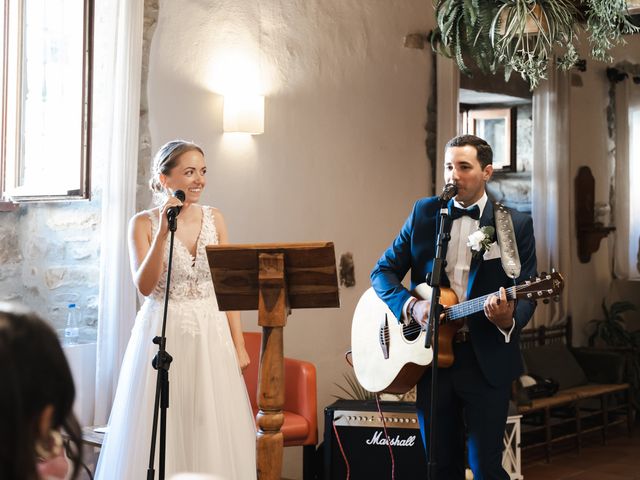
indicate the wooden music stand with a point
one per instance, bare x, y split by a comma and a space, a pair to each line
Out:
273, 279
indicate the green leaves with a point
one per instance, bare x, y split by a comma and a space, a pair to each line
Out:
611, 330
529, 32
526, 35
353, 390
607, 21
463, 29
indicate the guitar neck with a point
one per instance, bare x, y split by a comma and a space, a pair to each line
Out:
464, 309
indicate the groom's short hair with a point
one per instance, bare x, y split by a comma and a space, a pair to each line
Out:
483, 149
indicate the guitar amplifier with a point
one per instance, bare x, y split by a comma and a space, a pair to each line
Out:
363, 440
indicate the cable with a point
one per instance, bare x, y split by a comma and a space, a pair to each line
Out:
386, 435
344, 456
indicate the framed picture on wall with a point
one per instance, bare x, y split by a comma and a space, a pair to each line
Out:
498, 127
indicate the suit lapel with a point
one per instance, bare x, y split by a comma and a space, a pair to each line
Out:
485, 220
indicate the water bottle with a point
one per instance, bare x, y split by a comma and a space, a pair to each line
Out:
72, 328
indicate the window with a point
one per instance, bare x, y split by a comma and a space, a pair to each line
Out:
634, 193
46, 99
497, 126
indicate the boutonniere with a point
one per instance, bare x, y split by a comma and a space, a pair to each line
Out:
481, 240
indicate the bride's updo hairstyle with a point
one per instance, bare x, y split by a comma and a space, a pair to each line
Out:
164, 161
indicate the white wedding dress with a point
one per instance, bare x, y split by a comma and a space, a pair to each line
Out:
210, 427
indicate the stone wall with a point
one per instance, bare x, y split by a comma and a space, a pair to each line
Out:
50, 256
514, 188
50, 252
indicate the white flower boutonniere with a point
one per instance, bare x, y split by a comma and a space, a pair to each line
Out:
481, 240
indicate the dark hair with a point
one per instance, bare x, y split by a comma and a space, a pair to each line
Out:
483, 149
166, 159
34, 373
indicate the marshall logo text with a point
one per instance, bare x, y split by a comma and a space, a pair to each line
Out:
378, 439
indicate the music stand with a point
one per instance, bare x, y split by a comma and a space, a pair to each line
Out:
273, 278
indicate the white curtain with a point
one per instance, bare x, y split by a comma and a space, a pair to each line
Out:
122, 21
627, 158
552, 187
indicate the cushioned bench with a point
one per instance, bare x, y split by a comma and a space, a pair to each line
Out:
592, 394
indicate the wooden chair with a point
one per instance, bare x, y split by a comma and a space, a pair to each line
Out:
300, 427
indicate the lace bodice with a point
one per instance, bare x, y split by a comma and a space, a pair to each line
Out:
190, 277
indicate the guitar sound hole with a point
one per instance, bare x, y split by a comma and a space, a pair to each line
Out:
411, 331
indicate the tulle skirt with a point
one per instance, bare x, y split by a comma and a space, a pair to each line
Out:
210, 426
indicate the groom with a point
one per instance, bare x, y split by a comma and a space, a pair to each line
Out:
473, 394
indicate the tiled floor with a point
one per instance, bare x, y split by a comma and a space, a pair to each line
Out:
618, 460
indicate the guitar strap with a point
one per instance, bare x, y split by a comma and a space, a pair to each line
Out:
507, 241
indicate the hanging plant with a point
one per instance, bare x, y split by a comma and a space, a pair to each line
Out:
464, 27
526, 35
607, 22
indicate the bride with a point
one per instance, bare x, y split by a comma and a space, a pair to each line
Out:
210, 427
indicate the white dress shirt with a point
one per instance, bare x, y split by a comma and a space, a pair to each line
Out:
459, 259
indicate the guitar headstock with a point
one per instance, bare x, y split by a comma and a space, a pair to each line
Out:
542, 286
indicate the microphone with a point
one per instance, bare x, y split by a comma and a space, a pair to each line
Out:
172, 212
449, 191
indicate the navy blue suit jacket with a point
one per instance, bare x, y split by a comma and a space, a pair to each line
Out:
414, 249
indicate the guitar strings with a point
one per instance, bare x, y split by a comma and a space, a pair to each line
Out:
455, 312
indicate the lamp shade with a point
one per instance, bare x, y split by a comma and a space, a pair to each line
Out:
244, 114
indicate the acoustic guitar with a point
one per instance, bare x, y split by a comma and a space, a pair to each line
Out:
390, 357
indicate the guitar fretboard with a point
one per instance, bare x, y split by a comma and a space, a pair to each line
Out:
474, 305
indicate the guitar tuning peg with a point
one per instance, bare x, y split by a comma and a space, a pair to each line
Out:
553, 270
556, 298
545, 301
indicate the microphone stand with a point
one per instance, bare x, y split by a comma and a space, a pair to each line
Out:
431, 337
161, 363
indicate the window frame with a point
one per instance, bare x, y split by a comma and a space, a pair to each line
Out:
10, 38
472, 116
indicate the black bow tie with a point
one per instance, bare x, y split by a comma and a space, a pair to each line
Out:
473, 212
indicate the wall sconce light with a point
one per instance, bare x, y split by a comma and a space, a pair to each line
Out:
244, 114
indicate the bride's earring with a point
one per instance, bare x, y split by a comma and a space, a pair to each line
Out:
50, 447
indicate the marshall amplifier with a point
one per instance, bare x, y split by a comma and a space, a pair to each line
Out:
364, 443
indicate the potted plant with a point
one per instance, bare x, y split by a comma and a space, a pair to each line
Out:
611, 332
524, 35
464, 30
527, 33
607, 22
354, 391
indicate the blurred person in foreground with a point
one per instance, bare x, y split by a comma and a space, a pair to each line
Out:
36, 401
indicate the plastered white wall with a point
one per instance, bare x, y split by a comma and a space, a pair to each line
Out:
593, 281
342, 157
